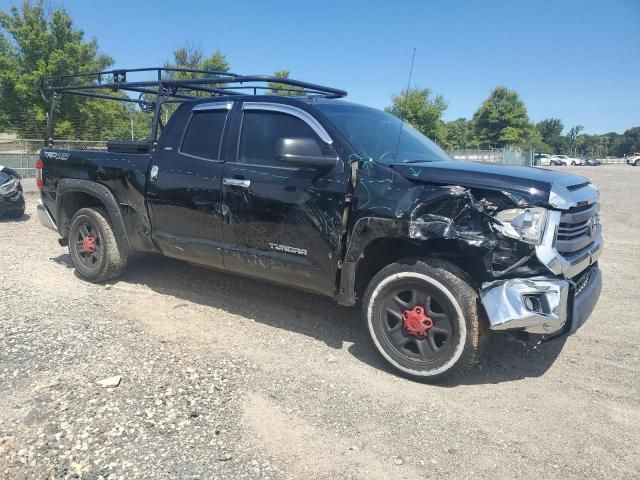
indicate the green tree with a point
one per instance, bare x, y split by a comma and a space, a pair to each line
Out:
191, 56
550, 130
459, 134
216, 62
34, 44
418, 107
502, 120
591, 145
629, 143
283, 89
572, 136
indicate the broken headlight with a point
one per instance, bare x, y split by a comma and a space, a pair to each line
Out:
524, 224
9, 187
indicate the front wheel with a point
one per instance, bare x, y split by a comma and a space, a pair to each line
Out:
637, 163
93, 247
422, 318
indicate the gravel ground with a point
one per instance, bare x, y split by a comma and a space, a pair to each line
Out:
223, 377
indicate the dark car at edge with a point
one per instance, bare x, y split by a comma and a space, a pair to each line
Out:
11, 195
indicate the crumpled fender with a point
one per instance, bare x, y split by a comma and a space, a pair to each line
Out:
388, 205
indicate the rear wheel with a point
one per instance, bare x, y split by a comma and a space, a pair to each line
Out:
637, 163
93, 247
422, 318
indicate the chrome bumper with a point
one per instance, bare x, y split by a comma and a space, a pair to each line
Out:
541, 305
567, 266
45, 217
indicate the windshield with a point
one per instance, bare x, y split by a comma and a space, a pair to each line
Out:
375, 134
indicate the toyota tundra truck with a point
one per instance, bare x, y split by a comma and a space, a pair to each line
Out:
306, 190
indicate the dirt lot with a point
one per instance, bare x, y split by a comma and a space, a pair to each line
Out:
224, 377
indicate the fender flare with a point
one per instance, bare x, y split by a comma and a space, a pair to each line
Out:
99, 192
365, 231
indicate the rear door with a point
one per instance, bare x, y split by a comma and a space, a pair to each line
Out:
184, 188
281, 222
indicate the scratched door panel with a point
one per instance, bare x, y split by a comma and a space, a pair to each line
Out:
185, 197
286, 227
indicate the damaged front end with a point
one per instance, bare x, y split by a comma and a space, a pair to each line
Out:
531, 249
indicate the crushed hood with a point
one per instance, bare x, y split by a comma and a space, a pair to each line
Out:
535, 184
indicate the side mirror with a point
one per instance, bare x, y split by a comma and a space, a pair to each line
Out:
302, 152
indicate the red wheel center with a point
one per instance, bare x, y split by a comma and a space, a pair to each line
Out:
416, 322
89, 244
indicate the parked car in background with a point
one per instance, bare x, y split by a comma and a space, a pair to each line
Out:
566, 160
11, 197
559, 160
591, 162
634, 160
542, 159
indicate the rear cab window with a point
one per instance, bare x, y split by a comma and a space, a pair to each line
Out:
203, 134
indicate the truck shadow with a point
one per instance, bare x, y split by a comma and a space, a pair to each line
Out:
314, 316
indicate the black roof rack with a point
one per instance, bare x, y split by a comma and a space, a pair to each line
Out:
168, 86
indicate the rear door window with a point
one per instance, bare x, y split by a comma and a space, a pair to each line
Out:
204, 133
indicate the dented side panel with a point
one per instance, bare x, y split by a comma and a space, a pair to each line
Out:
123, 175
389, 205
287, 227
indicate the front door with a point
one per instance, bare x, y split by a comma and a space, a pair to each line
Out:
184, 188
281, 222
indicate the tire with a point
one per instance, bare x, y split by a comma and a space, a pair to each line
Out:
107, 260
637, 163
454, 342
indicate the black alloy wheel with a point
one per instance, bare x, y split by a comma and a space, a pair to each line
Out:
88, 245
417, 322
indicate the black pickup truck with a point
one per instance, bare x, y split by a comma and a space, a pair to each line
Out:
338, 199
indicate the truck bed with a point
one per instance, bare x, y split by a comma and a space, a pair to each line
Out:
122, 174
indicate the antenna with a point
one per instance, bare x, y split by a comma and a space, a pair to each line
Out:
406, 97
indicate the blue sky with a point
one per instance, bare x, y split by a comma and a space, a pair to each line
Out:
575, 60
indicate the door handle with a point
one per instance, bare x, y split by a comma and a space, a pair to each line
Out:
236, 182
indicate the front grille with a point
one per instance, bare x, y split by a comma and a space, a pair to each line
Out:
578, 229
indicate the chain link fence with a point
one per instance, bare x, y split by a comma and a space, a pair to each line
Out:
504, 156
21, 154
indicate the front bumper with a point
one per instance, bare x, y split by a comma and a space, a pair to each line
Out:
540, 305
45, 217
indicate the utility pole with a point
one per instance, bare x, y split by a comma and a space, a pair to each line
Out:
131, 118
